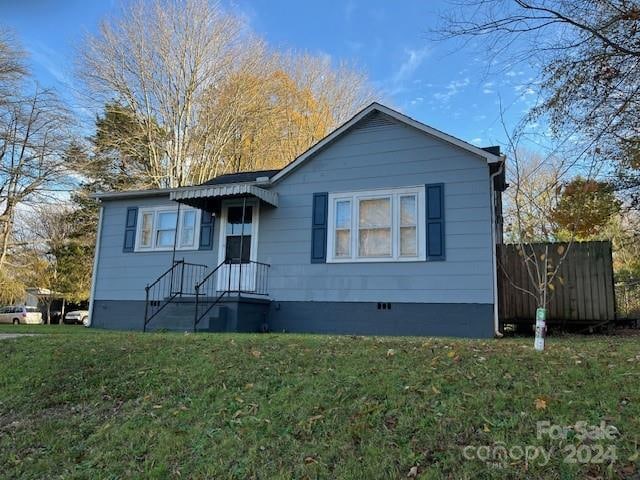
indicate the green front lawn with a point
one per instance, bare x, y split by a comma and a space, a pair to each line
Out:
129, 405
49, 329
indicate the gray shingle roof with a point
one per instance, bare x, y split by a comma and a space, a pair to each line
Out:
240, 177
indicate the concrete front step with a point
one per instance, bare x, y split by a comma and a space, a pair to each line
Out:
179, 316
231, 314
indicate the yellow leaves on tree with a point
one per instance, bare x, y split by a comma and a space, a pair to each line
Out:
273, 119
585, 207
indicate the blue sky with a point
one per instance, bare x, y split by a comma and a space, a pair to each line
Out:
448, 86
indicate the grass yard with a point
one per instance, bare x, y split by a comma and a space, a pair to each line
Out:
84, 404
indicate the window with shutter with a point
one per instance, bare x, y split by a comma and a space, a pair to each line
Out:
386, 225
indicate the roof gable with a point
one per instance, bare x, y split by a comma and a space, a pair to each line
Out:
378, 115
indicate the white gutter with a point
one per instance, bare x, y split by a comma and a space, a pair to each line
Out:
95, 267
496, 317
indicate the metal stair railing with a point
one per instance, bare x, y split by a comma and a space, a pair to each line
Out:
207, 287
177, 281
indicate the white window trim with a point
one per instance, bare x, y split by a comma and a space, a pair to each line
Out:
394, 194
166, 209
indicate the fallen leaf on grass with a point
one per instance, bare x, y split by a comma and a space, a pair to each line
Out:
435, 390
391, 352
540, 403
309, 460
628, 469
256, 353
413, 472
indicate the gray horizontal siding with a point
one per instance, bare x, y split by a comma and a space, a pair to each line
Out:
123, 276
391, 156
384, 157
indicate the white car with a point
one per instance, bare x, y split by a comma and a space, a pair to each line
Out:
77, 316
19, 314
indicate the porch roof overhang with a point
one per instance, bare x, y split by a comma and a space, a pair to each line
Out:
195, 196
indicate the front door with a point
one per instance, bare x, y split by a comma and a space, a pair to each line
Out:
238, 242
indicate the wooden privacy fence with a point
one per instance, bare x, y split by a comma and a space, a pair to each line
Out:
582, 293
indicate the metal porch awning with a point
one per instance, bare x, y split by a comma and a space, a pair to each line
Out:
195, 195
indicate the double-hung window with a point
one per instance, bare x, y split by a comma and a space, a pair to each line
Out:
160, 228
375, 227
378, 225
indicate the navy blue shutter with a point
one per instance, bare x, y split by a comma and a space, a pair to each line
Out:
434, 196
319, 228
130, 229
206, 231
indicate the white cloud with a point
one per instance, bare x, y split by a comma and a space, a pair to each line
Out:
476, 140
414, 58
50, 60
453, 88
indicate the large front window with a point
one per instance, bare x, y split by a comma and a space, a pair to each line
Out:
158, 227
380, 225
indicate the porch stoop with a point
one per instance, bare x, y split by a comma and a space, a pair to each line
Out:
230, 314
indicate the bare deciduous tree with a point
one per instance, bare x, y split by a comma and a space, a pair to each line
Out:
533, 194
531, 202
12, 66
208, 97
588, 53
159, 60
34, 134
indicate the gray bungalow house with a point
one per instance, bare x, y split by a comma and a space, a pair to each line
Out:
386, 226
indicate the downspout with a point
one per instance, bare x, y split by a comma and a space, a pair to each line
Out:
496, 316
96, 255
